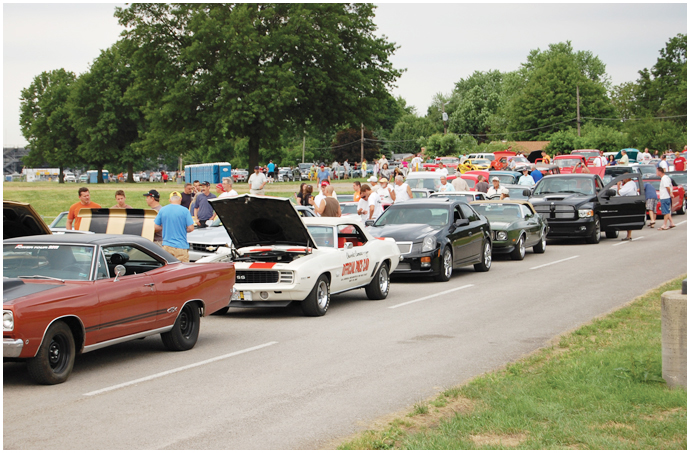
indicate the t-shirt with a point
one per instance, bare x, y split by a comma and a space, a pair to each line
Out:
74, 212
460, 185
232, 193
526, 180
448, 187
322, 175
356, 196
363, 204
318, 199
649, 192
482, 187
205, 210
628, 189
665, 182
499, 191
186, 199
623, 160
256, 181
679, 163
443, 171
385, 194
401, 192
375, 201
536, 175
174, 219
663, 164
271, 167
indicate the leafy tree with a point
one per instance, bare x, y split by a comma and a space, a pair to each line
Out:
439, 145
347, 145
212, 72
624, 100
45, 121
407, 133
475, 101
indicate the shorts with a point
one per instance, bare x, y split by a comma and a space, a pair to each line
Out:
665, 206
271, 174
180, 254
650, 204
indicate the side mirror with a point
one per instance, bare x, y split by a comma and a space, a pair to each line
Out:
526, 192
369, 222
347, 246
461, 222
120, 270
610, 193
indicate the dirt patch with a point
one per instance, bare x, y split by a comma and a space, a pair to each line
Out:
663, 415
495, 440
617, 425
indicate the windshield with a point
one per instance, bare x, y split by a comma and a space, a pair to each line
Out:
587, 154
480, 162
647, 169
403, 215
518, 193
561, 163
66, 262
505, 179
454, 196
498, 212
551, 185
450, 161
424, 183
348, 208
679, 178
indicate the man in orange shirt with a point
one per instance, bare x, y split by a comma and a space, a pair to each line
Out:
84, 202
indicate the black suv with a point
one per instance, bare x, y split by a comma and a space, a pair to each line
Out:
581, 206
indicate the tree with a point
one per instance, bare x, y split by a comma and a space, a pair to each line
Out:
407, 133
211, 72
347, 145
45, 121
475, 101
439, 145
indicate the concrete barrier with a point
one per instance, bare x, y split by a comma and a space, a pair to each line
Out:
674, 338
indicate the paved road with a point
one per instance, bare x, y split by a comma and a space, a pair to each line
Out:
273, 379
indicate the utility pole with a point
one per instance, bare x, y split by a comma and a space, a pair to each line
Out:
578, 111
304, 144
361, 146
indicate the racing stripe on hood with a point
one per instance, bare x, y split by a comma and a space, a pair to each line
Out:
262, 265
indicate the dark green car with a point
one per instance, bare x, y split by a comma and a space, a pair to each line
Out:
515, 226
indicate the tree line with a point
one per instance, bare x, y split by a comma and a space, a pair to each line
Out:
245, 83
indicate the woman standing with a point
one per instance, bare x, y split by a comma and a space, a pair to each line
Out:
386, 172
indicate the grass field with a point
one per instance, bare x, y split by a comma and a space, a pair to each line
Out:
598, 388
50, 198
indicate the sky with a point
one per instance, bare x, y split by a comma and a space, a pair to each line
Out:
439, 43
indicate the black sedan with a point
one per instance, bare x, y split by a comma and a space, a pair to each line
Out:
436, 236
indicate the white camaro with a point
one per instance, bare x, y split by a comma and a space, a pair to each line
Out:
280, 257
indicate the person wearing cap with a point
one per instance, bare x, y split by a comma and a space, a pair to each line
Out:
153, 200
385, 191
120, 199
322, 194
497, 189
445, 185
219, 189
328, 205
323, 175
526, 179
173, 222
203, 212
257, 181
228, 191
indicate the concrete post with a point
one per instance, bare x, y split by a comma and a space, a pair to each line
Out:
674, 336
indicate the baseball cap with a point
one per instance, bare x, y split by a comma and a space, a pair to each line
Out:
495, 178
174, 194
219, 186
205, 183
372, 179
324, 183
152, 193
383, 180
257, 167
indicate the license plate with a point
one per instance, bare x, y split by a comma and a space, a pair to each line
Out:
242, 295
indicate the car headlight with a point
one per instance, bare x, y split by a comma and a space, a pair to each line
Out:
7, 320
582, 213
429, 244
501, 235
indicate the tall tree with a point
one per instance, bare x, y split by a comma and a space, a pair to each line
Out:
247, 70
475, 101
410, 129
45, 121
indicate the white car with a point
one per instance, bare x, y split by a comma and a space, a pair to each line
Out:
460, 195
69, 177
280, 257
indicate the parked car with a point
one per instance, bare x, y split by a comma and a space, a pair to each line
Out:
285, 174
281, 257
84, 178
70, 294
345, 197
69, 177
421, 193
239, 175
304, 171
489, 156
459, 196
515, 226
581, 206
348, 208
429, 180
681, 178
506, 177
679, 201
518, 192
436, 236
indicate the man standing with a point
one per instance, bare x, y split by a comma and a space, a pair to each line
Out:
322, 194
445, 185
271, 167
665, 196
497, 189
203, 212
624, 160
257, 181
442, 169
120, 199
627, 188
187, 195
84, 202
650, 203
228, 191
387, 194
346, 166
460, 184
663, 164
482, 186
174, 222
403, 192
323, 175
679, 163
364, 168
152, 199
375, 209
328, 206
416, 163
600, 161
545, 157
536, 174
197, 186
526, 179
363, 203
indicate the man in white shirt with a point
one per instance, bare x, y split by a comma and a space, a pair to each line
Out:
402, 191
646, 157
322, 194
663, 164
375, 208
363, 203
600, 161
257, 181
497, 189
385, 192
416, 163
665, 197
445, 185
627, 188
442, 169
228, 191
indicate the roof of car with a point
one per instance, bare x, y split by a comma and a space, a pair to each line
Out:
506, 201
330, 221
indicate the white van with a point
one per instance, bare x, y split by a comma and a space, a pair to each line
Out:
473, 156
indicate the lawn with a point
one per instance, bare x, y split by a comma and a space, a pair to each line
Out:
597, 388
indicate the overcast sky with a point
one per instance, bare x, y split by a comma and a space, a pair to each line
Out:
439, 43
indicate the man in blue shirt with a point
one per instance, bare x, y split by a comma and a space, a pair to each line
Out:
536, 174
175, 221
271, 170
323, 175
203, 212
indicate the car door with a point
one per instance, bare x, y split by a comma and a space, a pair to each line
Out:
622, 213
128, 304
459, 237
476, 235
356, 259
532, 226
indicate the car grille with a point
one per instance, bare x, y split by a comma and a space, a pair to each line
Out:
205, 247
559, 212
251, 276
405, 247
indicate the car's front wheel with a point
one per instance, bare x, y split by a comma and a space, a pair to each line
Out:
185, 331
541, 245
55, 357
485, 264
379, 286
318, 300
519, 252
446, 270
596, 233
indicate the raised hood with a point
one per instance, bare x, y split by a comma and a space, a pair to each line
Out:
253, 220
20, 219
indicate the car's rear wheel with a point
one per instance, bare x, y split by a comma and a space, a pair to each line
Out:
485, 263
379, 286
541, 245
596, 234
55, 357
185, 331
446, 270
318, 300
519, 252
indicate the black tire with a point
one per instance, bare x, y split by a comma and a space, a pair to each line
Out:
379, 286
185, 331
485, 263
318, 300
683, 207
541, 245
220, 312
596, 234
446, 270
611, 234
518, 253
54, 360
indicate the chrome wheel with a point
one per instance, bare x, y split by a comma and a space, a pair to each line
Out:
447, 263
322, 295
487, 255
384, 281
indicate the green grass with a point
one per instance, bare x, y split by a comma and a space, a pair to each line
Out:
599, 388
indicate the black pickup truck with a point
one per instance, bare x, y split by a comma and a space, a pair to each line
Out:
580, 206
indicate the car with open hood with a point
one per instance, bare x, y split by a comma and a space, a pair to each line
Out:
20, 219
436, 236
281, 257
67, 294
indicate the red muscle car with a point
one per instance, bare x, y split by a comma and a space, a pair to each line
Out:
68, 294
679, 201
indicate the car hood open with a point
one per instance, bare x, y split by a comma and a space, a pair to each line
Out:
20, 219
253, 220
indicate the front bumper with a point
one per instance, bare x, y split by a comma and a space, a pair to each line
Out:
577, 228
269, 295
11, 348
412, 264
501, 247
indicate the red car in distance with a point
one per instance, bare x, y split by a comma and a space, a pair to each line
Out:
679, 201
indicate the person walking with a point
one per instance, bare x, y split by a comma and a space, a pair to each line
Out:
323, 175
482, 186
627, 188
173, 222
257, 181
651, 200
228, 191
84, 202
203, 211
665, 197
120, 200
402, 190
